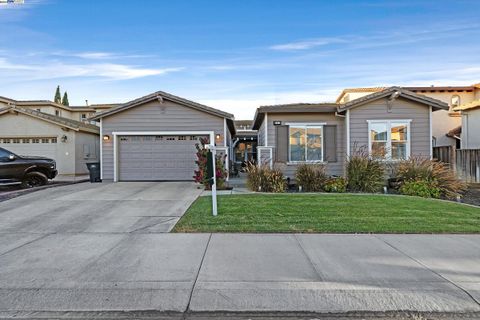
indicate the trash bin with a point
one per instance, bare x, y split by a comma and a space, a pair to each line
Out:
94, 169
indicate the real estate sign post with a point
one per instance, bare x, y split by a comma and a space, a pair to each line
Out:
212, 176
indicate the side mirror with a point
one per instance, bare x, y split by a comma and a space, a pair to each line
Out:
11, 157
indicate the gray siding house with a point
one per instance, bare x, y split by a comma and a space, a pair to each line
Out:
153, 137
392, 124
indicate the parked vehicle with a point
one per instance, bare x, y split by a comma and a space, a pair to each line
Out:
28, 171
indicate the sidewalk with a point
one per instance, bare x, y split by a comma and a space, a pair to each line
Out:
240, 272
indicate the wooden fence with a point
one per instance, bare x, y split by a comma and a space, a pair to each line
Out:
468, 165
465, 162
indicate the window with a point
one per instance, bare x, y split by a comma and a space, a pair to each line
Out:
44, 140
25, 140
389, 139
305, 143
57, 113
455, 101
83, 117
35, 140
16, 140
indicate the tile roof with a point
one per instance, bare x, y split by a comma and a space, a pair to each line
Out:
468, 106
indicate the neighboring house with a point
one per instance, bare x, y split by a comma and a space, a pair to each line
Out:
444, 121
153, 137
469, 132
393, 123
71, 143
77, 113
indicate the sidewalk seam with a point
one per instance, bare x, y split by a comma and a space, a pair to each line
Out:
431, 270
308, 257
187, 309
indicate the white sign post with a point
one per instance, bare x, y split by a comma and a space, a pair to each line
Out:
214, 178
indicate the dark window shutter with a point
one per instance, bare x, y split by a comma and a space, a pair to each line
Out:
281, 144
330, 143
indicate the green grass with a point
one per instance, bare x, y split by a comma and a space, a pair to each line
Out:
341, 213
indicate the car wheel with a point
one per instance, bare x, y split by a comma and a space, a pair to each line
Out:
34, 179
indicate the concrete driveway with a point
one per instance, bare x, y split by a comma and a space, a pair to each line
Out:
104, 207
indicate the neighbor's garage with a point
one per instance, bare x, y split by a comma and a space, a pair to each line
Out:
153, 138
157, 157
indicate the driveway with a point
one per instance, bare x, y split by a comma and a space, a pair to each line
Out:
147, 207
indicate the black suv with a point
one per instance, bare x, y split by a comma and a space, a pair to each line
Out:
28, 171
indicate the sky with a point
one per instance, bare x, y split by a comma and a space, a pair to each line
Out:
233, 55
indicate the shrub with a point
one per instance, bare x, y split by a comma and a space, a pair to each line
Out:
428, 171
311, 177
364, 173
420, 188
335, 185
264, 179
200, 175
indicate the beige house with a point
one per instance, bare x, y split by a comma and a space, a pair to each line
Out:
443, 121
469, 132
393, 124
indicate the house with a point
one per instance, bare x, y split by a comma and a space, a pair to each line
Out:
77, 113
393, 123
444, 121
469, 132
71, 143
154, 137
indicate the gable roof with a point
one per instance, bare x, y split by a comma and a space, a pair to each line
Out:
159, 95
60, 121
292, 108
402, 92
468, 106
350, 90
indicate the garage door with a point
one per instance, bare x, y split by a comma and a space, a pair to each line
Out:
156, 158
37, 146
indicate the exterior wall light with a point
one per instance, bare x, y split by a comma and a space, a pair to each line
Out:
64, 138
106, 137
218, 137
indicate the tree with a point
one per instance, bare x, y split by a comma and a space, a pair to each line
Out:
65, 99
58, 96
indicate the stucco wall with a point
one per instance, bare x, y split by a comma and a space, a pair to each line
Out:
402, 109
156, 116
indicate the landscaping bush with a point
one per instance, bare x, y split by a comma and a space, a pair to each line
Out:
364, 173
429, 173
420, 188
335, 185
264, 179
311, 177
201, 174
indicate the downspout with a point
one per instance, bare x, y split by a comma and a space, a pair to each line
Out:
347, 126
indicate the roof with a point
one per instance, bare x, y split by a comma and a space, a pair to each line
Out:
404, 93
63, 122
292, 108
160, 95
414, 89
468, 106
335, 107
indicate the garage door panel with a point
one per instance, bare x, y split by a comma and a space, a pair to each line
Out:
156, 158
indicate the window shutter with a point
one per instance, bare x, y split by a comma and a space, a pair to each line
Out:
281, 144
330, 143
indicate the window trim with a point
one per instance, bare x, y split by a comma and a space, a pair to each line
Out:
388, 156
305, 126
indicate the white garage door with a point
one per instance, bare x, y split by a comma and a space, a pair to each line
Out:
156, 158
37, 146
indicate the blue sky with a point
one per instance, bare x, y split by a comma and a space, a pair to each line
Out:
234, 55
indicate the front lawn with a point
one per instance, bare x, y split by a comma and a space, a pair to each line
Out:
341, 213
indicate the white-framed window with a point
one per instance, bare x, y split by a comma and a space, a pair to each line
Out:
455, 101
389, 139
305, 143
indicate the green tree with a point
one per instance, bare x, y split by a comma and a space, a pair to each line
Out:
58, 96
65, 99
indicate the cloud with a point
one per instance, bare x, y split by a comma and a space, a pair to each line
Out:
53, 70
93, 55
307, 44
